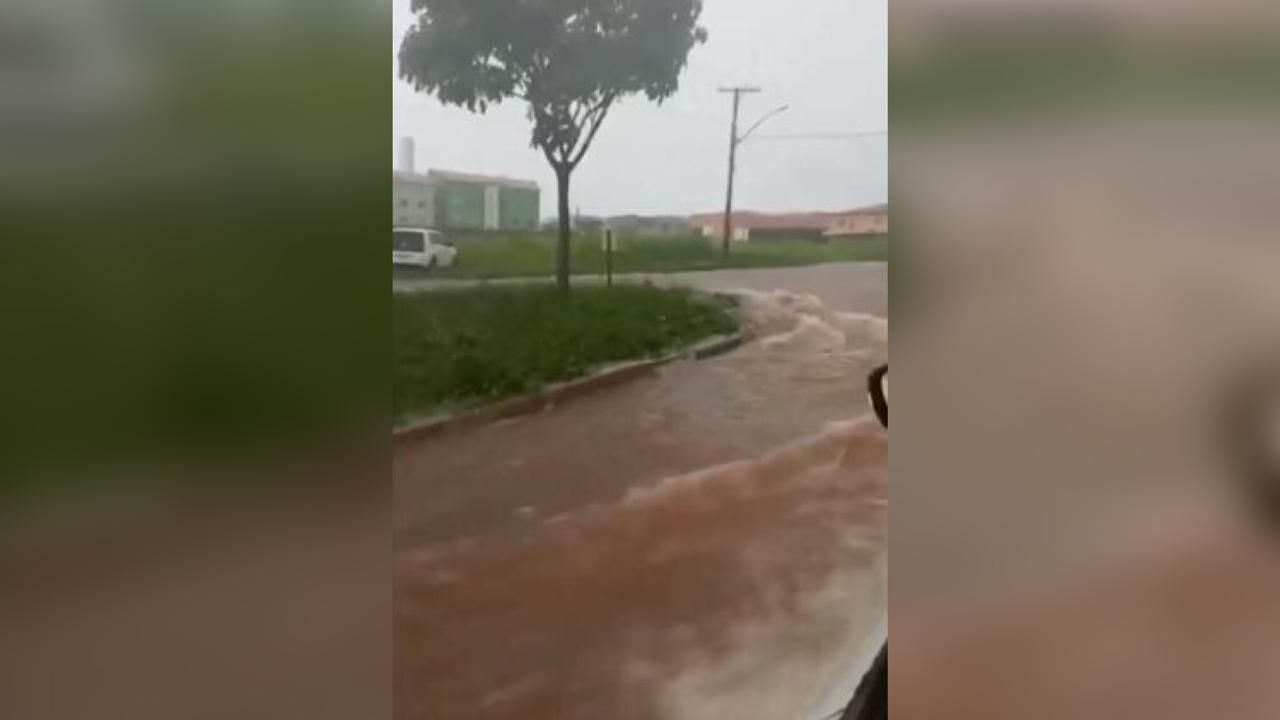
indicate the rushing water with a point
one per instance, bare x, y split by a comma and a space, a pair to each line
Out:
710, 542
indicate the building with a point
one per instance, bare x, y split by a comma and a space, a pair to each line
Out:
413, 199
865, 221
650, 226
465, 201
461, 201
748, 226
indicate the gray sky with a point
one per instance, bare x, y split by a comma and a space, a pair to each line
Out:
827, 59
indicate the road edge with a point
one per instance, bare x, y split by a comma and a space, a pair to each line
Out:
530, 403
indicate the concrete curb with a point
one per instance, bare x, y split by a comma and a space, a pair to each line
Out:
551, 395
716, 347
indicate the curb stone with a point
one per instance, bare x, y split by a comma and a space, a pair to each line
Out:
716, 346
557, 393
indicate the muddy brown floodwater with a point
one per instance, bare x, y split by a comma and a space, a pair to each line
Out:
706, 542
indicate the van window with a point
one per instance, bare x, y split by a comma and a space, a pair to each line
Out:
407, 242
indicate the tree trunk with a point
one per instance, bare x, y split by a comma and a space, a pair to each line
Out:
562, 245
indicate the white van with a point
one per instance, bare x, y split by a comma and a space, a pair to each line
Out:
421, 248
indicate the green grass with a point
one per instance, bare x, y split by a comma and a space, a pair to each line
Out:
501, 255
464, 347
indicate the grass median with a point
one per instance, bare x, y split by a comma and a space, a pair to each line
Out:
504, 255
462, 348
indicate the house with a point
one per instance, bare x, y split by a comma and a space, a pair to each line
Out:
872, 220
577, 222
748, 225
650, 226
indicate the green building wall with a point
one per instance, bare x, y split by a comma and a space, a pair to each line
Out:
520, 208
454, 205
460, 206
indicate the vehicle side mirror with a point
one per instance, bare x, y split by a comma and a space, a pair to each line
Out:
878, 390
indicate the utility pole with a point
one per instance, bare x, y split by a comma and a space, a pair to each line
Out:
734, 141
733, 160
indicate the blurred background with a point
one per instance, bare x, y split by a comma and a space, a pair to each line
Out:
193, 463
1085, 290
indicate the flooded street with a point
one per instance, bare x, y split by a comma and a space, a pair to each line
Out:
706, 542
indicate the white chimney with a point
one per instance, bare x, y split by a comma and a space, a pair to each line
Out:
406, 154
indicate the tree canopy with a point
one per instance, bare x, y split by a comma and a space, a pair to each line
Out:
570, 59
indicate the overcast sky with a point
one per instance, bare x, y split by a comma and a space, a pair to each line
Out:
827, 59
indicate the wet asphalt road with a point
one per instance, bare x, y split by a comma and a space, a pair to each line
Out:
845, 287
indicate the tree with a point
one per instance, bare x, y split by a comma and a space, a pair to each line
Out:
570, 60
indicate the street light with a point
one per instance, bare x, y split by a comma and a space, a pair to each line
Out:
760, 122
735, 141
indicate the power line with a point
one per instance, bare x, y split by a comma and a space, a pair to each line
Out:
825, 136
